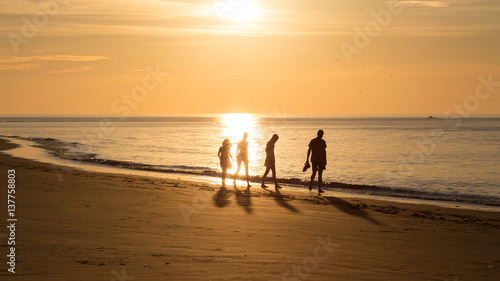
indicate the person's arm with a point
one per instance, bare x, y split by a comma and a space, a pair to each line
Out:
218, 154
308, 154
325, 153
231, 156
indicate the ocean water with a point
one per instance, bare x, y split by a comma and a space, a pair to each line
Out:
452, 159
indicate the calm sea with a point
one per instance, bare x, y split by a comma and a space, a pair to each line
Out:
453, 159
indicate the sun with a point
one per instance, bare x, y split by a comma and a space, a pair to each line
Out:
239, 10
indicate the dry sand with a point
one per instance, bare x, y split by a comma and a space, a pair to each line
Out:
76, 225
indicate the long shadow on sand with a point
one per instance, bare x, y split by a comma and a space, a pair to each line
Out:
244, 199
221, 197
280, 199
348, 208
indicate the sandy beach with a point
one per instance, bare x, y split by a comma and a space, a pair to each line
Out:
77, 225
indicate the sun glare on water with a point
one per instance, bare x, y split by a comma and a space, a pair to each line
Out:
234, 125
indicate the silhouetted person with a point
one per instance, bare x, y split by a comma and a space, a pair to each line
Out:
318, 158
225, 158
242, 156
270, 161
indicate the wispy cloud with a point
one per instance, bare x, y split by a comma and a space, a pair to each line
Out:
191, 18
5, 59
79, 69
22, 66
235, 74
434, 4
30, 62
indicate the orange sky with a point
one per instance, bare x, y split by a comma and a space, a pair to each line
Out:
91, 57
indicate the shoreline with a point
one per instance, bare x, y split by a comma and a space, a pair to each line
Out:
91, 225
37, 151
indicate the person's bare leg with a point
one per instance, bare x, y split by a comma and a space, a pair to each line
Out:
312, 179
236, 174
224, 173
320, 179
273, 169
264, 177
246, 173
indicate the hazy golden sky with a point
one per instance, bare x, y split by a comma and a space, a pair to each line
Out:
286, 56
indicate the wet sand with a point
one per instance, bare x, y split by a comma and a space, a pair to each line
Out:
77, 225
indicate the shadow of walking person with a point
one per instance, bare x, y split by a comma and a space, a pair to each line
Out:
281, 199
243, 198
348, 208
221, 197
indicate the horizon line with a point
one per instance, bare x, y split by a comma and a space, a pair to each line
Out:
265, 115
